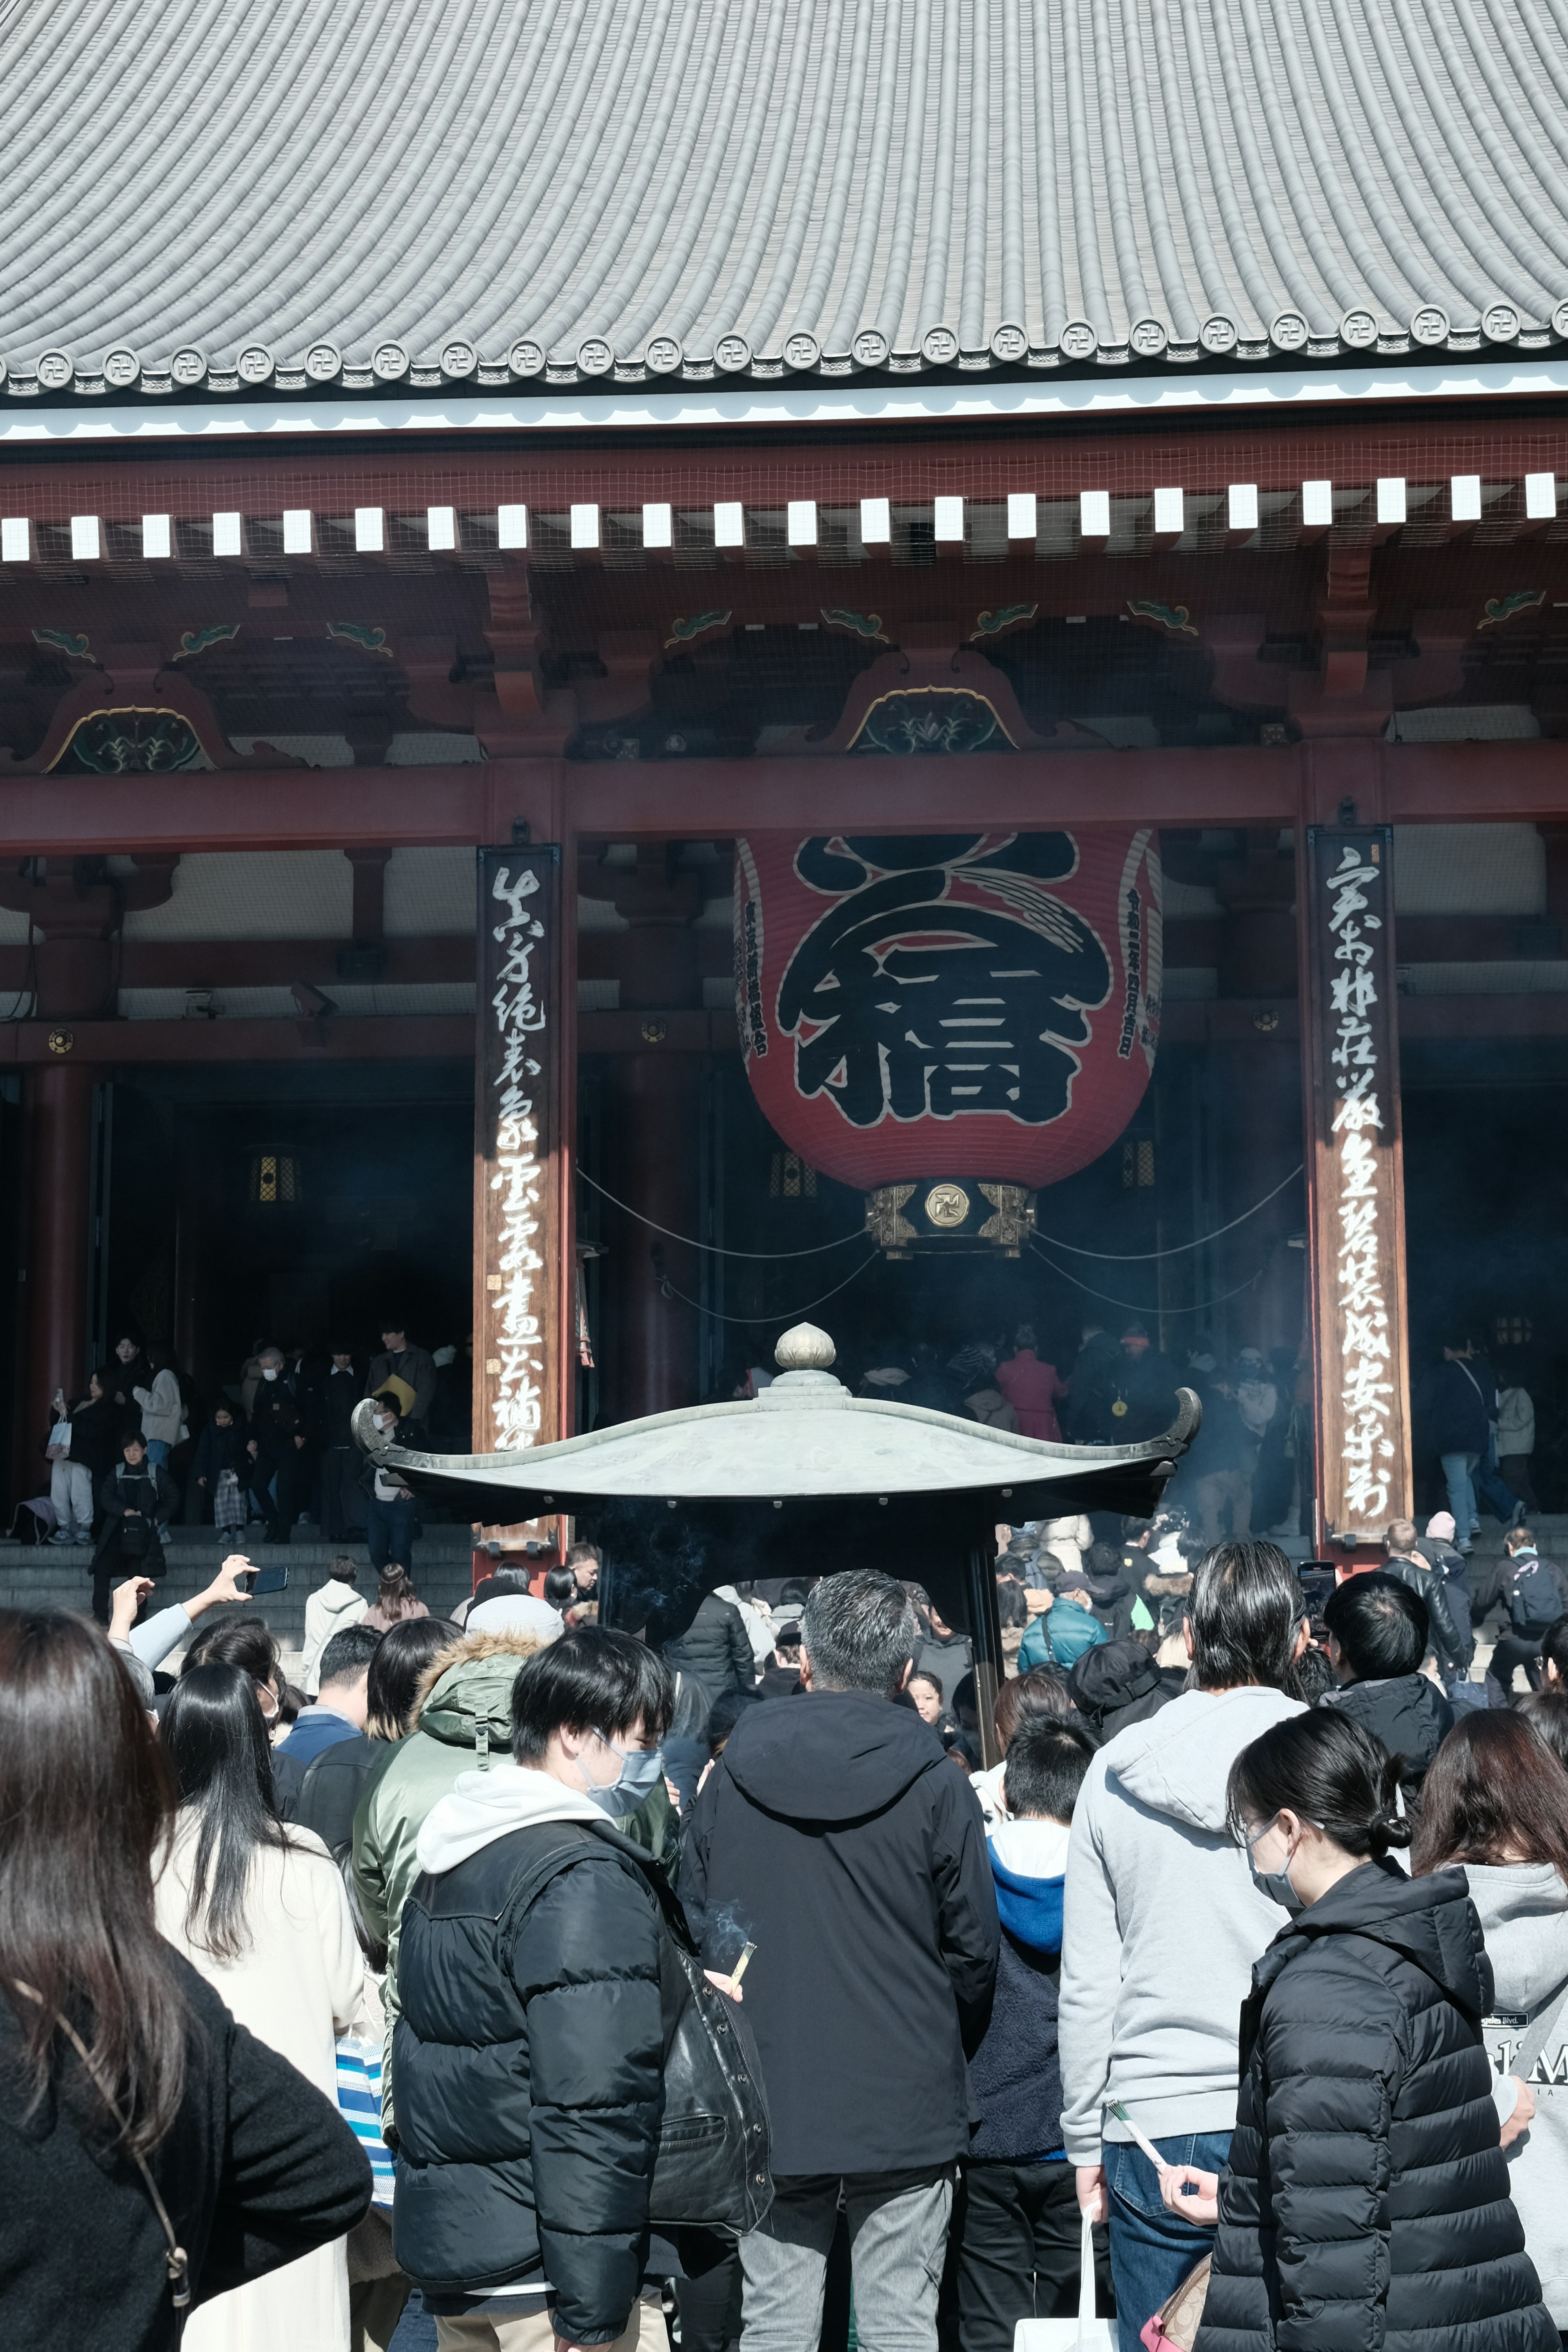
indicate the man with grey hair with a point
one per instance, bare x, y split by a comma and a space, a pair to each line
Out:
834, 1834
1164, 1922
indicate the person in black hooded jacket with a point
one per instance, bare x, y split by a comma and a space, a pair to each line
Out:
1377, 1638
834, 1835
1366, 2199
715, 1647
1118, 1684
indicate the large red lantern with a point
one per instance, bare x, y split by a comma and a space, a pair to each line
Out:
965, 1016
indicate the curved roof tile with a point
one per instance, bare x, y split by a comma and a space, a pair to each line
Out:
303, 192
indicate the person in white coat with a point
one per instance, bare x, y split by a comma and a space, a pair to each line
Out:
261, 1911
1495, 1802
1070, 1539
327, 1610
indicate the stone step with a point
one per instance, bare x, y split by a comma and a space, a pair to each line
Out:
58, 1576
199, 1548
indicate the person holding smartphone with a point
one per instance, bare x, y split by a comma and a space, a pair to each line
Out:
78, 1450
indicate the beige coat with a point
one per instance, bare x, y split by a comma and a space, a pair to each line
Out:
302, 1984
329, 1609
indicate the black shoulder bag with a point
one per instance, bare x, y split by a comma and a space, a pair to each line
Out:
712, 2170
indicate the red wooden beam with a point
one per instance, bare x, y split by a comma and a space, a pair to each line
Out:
264, 963
1190, 940
451, 1036
759, 469
1477, 783
436, 1037
1406, 783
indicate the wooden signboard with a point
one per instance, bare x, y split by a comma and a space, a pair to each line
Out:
521, 1211
1356, 1188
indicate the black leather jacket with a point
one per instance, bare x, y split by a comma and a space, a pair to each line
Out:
1452, 1647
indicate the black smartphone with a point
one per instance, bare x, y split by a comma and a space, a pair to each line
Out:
268, 1580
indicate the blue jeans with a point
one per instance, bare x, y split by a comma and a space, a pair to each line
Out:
1151, 2251
1500, 1500
157, 1449
1458, 1470
390, 1530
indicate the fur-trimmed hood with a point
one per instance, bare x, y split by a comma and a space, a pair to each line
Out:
466, 1690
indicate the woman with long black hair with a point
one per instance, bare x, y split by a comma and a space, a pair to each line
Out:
1366, 2199
136, 2117
260, 1910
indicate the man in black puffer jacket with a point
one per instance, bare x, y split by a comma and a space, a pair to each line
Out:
716, 1648
530, 2048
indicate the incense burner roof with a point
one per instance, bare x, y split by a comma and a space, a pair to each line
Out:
804, 1438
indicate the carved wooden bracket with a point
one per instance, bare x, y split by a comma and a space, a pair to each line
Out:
132, 716
519, 714
930, 697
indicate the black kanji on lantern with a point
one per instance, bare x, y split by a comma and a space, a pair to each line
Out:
906, 998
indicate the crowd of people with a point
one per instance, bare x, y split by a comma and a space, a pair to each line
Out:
135, 1456
1117, 1387
1249, 1469
597, 1989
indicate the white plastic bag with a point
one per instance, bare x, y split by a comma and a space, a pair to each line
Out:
1082, 2334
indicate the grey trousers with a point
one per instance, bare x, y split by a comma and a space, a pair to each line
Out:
898, 2238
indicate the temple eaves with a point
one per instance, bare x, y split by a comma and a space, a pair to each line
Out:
672, 193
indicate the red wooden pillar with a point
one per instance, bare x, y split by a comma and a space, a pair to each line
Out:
657, 1099
60, 1124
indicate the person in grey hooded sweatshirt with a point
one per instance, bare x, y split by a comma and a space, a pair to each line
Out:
1495, 1800
1164, 1924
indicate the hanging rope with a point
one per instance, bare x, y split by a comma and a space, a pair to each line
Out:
789, 1315
712, 1248
1106, 1258
1141, 1257
1132, 1306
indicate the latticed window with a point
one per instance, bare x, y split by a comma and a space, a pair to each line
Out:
274, 1179
1514, 1330
790, 1179
1137, 1164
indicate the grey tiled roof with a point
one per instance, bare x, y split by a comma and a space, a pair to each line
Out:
212, 196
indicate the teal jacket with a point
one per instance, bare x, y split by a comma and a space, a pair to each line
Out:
1060, 1637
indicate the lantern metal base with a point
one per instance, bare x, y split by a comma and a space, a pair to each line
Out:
903, 1219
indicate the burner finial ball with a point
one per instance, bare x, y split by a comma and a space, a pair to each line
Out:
805, 1348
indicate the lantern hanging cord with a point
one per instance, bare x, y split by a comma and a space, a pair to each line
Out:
712, 1248
1133, 1306
1141, 1257
790, 1314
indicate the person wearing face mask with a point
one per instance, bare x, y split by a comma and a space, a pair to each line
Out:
1366, 2199
392, 1515
275, 1445
530, 2051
